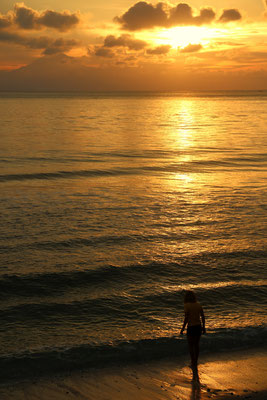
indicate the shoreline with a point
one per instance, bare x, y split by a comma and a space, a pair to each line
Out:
240, 374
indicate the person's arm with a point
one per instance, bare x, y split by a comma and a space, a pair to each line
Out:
203, 320
185, 322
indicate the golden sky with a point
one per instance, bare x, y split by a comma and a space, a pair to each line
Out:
131, 45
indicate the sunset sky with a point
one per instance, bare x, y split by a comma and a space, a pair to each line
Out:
128, 45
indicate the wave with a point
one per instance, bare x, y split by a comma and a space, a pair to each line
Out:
143, 305
58, 360
102, 240
64, 174
109, 240
206, 265
191, 166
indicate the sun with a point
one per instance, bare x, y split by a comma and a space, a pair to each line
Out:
182, 36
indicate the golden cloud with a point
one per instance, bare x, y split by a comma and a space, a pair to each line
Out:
124, 41
163, 49
191, 48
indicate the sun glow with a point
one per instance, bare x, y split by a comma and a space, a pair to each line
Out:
182, 36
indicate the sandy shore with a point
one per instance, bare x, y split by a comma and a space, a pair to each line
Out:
239, 375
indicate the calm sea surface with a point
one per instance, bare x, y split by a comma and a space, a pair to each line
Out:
111, 206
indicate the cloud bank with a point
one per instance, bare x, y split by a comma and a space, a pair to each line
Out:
19, 25
143, 15
49, 45
26, 18
63, 73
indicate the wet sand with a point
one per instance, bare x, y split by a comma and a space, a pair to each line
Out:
222, 376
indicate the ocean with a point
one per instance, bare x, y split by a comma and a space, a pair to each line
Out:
112, 205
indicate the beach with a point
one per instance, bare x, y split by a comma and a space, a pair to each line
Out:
133, 160
223, 376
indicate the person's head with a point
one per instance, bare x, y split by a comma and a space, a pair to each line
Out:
190, 297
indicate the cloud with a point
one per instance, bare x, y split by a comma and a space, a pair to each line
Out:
50, 46
60, 46
25, 17
61, 21
112, 41
191, 48
103, 52
206, 16
37, 43
143, 15
230, 15
182, 14
29, 19
124, 41
163, 49
11, 37
4, 21
62, 73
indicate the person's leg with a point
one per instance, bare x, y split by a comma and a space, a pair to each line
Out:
195, 353
196, 347
190, 340
193, 344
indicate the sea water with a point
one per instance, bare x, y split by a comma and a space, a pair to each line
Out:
111, 206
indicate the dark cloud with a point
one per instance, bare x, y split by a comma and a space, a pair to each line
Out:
164, 49
124, 41
41, 42
183, 15
27, 18
206, 16
104, 52
143, 15
50, 46
230, 15
4, 21
191, 48
61, 21
35, 43
60, 46
11, 37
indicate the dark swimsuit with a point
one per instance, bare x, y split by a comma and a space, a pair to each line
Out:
194, 330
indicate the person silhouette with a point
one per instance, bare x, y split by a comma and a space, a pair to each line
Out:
194, 319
